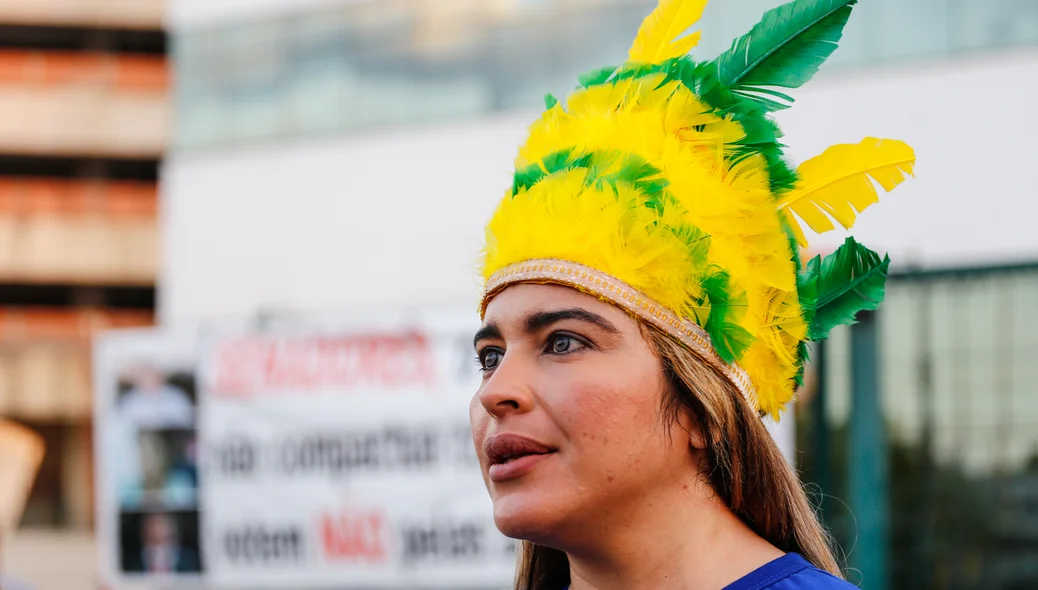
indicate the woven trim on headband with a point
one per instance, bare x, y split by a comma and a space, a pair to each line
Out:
619, 293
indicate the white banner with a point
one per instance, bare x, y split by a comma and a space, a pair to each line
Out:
343, 458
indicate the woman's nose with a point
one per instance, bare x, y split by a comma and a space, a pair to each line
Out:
508, 389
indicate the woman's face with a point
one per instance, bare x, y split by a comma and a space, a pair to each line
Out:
567, 422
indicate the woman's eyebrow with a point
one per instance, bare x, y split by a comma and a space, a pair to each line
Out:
489, 331
540, 320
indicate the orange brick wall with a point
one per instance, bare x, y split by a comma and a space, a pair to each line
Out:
145, 73
62, 232
45, 360
72, 198
83, 104
54, 230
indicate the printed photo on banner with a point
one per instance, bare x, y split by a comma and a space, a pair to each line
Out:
146, 412
160, 542
156, 412
155, 415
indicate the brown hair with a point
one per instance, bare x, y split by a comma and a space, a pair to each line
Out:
746, 470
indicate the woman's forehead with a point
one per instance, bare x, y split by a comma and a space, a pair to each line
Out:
519, 301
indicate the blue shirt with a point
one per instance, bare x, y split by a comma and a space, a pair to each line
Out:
789, 572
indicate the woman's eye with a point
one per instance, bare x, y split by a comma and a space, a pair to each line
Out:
562, 344
489, 359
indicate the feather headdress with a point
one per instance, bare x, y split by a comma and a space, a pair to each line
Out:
661, 185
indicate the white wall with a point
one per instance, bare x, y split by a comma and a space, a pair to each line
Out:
379, 221
371, 222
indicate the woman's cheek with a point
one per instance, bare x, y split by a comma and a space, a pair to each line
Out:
598, 415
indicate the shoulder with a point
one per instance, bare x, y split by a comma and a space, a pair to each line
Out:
790, 572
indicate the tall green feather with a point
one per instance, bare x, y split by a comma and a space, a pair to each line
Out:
834, 289
785, 49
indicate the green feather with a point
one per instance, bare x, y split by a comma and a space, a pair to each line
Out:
730, 340
652, 186
526, 177
583, 161
550, 101
794, 247
756, 98
637, 171
601, 161
803, 356
784, 49
762, 133
807, 291
639, 70
833, 290
781, 175
596, 77
632, 169
684, 70
530, 175
697, 240
760, 96
556, 161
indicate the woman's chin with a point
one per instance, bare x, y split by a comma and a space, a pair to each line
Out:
526, 516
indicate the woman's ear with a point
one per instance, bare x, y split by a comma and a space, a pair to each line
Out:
692, 426
696, 439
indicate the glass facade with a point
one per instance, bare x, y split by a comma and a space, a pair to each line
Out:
398, 62
958, 474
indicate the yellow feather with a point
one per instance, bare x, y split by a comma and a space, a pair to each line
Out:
798, 232
839, 182
658, 38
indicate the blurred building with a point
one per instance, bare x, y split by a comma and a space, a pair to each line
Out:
83, 125
334, 155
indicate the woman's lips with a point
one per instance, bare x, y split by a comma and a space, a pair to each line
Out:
512, 456
516, 468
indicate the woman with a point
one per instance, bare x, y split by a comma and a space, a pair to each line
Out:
645, 306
